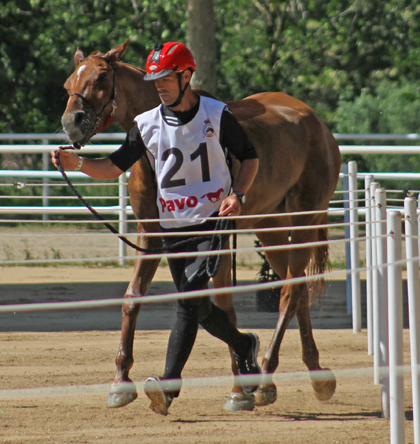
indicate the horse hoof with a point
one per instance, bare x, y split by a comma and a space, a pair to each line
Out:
265, 395
239, 401
323, 383
122, 394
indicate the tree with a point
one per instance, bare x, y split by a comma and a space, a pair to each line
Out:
38, 40
325, 53
201, 39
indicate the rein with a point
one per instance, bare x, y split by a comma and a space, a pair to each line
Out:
217, 240
111, 99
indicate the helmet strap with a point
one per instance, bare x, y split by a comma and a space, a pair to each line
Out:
181, 91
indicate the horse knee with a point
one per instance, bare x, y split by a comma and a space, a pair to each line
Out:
130, 309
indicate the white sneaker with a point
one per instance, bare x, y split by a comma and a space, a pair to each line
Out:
160, 401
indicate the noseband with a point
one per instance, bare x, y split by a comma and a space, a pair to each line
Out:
111, 99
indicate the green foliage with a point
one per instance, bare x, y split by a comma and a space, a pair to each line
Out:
355, 62
318, 51
394, 108
38, 39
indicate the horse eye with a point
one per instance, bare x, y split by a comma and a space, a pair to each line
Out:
103, 77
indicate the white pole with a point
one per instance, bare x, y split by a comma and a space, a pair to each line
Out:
395, 324
413, 289
45, 181
122, 215
375, 308
382, 297
354, 249
418, 222
368, 220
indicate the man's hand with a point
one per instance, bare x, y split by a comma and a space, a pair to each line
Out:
230, 206
68, 159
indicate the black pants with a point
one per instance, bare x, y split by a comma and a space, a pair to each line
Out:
189, 274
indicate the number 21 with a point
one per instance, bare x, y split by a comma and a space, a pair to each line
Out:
200, 152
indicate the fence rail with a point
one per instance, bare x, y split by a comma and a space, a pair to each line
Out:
123, 210
383, 261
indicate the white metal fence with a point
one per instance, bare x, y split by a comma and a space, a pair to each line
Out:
122, 209
383, 267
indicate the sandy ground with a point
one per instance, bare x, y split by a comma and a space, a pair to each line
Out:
53, 386
54, 390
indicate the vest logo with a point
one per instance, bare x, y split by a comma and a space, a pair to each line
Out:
188, 202
180, 204
213, 197
208, 130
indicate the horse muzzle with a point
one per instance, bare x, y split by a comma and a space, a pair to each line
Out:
78, 126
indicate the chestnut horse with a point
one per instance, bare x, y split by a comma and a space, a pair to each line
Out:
298, 172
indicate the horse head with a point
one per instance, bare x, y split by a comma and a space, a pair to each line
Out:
92, 90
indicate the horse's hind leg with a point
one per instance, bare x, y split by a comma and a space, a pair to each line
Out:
294, 301
324, 382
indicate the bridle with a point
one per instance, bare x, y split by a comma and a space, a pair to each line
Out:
112, 99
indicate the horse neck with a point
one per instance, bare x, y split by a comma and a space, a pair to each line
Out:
134, 95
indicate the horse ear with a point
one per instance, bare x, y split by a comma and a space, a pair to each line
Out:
78, 56
115, 54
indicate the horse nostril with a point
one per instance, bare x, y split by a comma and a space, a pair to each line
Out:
79, 117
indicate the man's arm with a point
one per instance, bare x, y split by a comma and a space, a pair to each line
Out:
235, 139
109, 167
102, 168
231, 206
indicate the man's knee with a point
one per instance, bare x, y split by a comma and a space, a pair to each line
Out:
206, 308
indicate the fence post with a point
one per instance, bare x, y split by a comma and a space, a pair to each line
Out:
395, 325
354, 249
346, 205
413, 289
368, 225
122, 215
381, 302
373, 187
418, 222
45, 182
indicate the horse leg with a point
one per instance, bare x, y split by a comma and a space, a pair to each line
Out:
267, 392
324, 382
294, 300
123, 390
237, 399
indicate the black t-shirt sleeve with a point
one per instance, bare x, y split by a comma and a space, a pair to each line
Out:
234, 138
130, 151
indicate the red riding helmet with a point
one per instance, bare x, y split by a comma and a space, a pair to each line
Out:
168, 58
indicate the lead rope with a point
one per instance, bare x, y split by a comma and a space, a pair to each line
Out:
217, 240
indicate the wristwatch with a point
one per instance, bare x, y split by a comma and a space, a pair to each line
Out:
241, 196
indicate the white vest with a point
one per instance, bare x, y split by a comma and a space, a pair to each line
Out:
190, 165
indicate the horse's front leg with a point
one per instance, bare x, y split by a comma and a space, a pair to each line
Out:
123, 390
289, 298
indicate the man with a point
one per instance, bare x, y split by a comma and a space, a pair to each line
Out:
190, 139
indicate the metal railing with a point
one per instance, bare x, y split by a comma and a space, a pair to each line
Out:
123, 210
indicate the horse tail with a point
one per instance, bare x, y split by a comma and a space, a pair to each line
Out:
320, 262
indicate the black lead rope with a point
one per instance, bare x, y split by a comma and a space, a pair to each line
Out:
96, 214
217, 240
